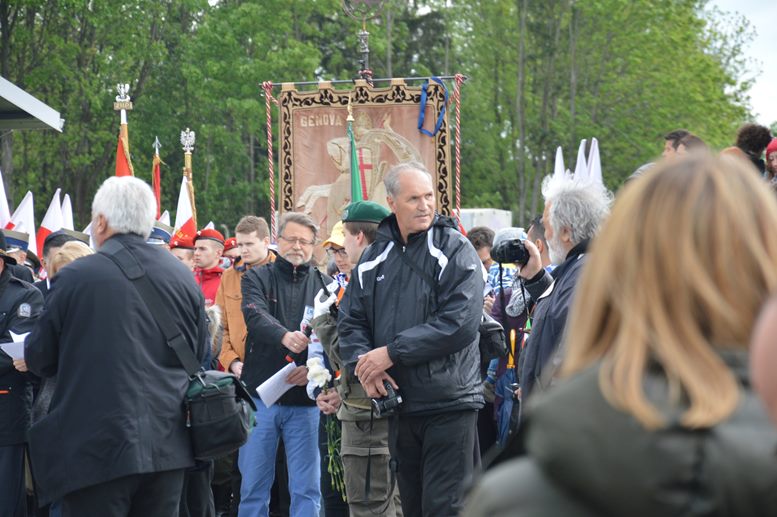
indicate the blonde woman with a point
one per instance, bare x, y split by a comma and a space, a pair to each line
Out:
655, 415
69, 252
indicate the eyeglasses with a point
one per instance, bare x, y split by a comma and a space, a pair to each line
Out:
296, 240
340, 252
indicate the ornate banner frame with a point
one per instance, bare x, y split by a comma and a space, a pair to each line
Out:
293, 105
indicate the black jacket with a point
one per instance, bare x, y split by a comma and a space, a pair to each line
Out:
586, 458
554, 294
277, 298
20, 305
431, 331
117, 409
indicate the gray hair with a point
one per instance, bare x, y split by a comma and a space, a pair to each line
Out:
580, 206
391, 179
127, 204
300, 219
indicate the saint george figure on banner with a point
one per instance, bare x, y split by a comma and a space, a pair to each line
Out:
377, 149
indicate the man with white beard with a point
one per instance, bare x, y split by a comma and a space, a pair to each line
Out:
574, 209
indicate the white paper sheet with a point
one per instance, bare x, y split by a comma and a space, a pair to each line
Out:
273, 388
16, 347
15, 350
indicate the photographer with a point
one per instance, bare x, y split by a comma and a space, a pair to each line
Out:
574, 209
410, 319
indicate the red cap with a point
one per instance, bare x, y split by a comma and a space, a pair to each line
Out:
184, 243
772, 147
230, 244
213, 235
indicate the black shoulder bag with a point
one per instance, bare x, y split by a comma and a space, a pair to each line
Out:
220, 412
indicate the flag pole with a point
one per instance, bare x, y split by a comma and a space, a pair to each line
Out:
123, 104
187, 141
156, 183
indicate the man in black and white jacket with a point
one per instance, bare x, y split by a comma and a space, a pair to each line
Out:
410, 316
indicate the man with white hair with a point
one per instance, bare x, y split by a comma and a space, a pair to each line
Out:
114, 442
574, 209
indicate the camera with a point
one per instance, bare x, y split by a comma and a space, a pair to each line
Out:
389, 404
511, 251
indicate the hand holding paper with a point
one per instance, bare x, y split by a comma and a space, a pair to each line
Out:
15, 348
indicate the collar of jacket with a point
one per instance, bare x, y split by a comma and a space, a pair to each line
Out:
389, 229
215, 270
239, 266
288, 269
579, 249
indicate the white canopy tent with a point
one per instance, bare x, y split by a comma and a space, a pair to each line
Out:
20, 110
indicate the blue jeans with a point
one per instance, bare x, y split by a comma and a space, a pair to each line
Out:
298, 425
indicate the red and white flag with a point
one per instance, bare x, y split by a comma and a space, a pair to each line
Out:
23, 219
52, 221
123, 160
184, 215
67, 213
5, 213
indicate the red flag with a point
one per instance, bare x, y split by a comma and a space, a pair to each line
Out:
184, 215
156, 184
123, 162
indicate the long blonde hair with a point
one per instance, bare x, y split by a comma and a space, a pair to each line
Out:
681, 268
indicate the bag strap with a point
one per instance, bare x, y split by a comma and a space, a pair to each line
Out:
418, 271
134, 271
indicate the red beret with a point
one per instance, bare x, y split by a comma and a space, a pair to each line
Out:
184, 243
208, 233
772, 147
230, 243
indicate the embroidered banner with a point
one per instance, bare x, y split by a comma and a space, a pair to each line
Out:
314, 147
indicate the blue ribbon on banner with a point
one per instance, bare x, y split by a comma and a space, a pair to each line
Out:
422, 113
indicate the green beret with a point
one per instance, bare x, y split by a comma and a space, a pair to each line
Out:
365, 212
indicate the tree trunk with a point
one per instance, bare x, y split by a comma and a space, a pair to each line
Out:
572, 78
523, 6
389, 26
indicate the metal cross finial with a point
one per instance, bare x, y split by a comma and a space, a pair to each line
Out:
123, 90
187, 140
157, 145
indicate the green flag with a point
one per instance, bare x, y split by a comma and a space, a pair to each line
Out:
357, 182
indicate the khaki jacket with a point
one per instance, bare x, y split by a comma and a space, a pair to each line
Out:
228, 298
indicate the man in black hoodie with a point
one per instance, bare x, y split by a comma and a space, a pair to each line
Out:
410, 317
277, 305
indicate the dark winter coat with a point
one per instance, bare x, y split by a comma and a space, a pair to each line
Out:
586, 459
277, 297
431, 331
117, 409
554, 293
20, 305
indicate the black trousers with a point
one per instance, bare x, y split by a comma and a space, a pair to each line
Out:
13, 499
156, 494
436, 456
196, 494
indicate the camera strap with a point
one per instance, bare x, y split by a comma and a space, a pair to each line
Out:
423, 274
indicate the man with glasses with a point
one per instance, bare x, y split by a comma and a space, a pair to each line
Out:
277, 306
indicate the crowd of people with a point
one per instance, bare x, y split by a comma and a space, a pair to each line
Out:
623, 386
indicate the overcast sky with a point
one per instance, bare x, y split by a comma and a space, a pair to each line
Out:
762, 15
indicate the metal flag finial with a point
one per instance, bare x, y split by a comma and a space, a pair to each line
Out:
187, 140
157, 145
123, 102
